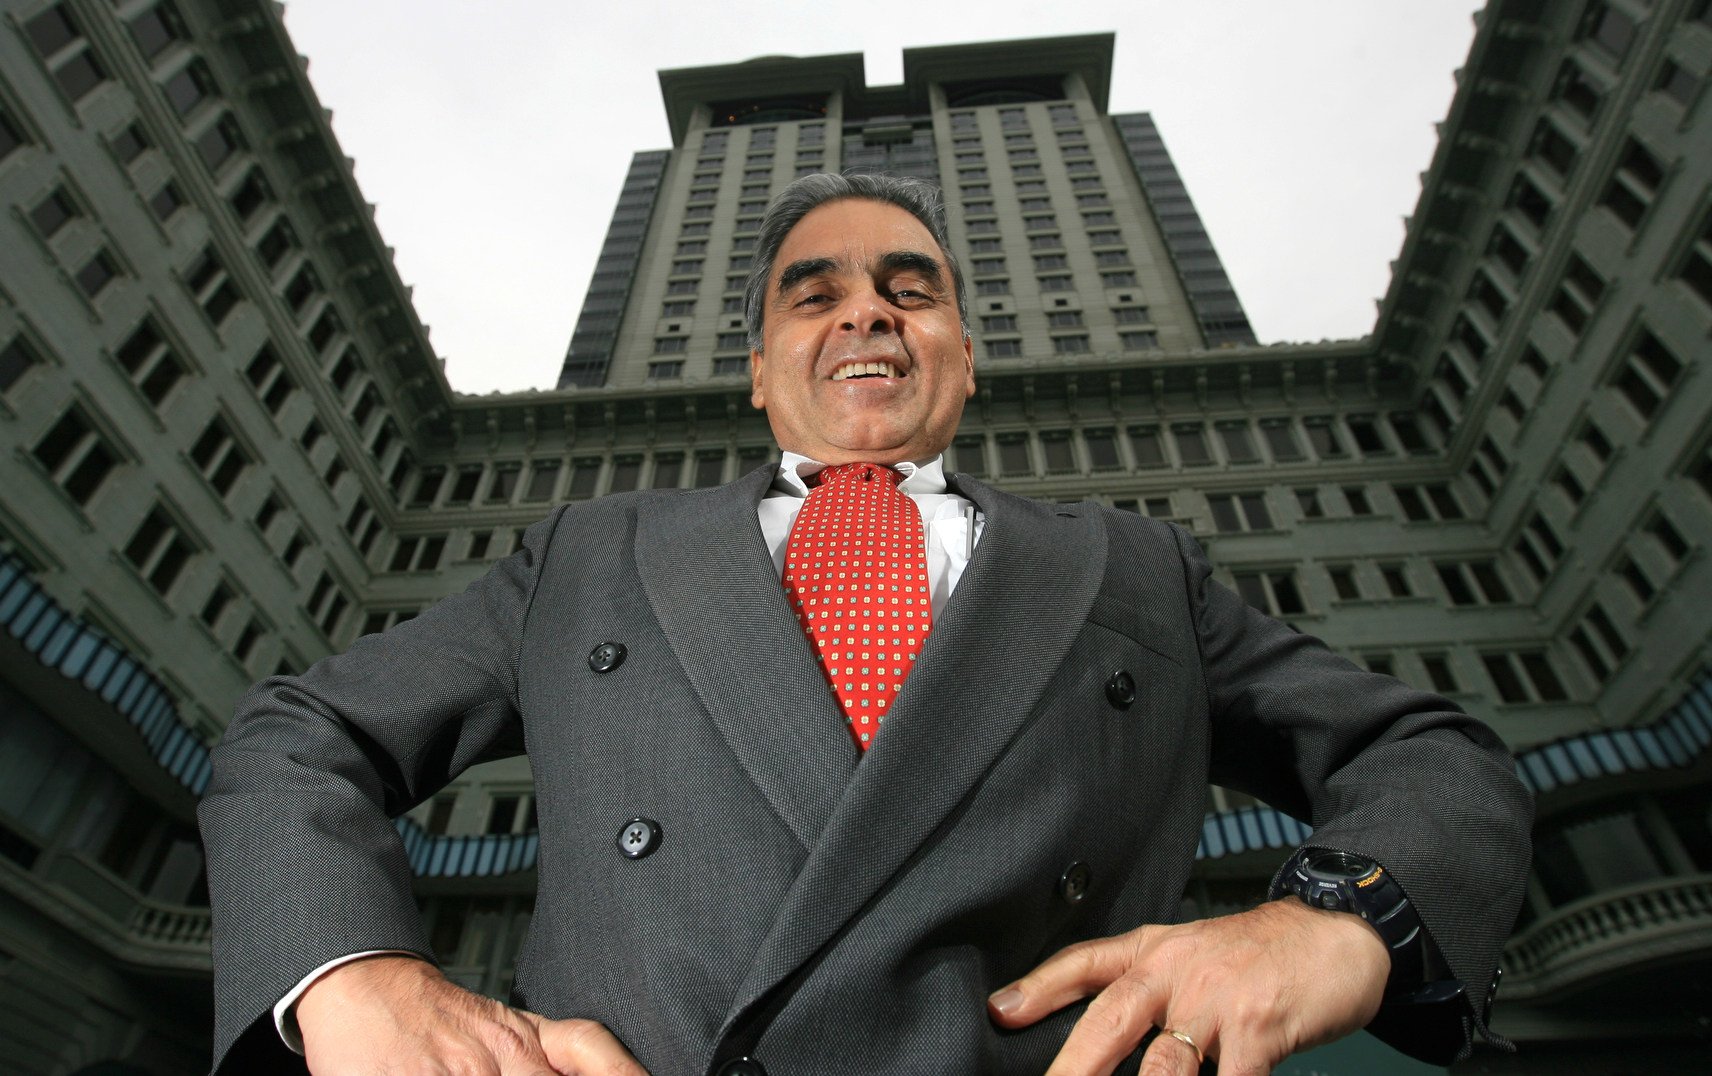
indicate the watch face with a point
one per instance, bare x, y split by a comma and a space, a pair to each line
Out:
1338, 865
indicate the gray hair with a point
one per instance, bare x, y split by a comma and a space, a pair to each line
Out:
920, 199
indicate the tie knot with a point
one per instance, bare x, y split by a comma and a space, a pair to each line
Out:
841, 473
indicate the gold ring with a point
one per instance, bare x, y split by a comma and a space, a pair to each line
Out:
1184, 1038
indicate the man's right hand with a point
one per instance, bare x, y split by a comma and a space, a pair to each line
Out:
398, 1014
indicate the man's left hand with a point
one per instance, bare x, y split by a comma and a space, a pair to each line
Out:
1248, 989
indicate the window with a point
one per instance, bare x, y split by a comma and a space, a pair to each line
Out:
16, 360
1523, 676
208, 281
1050, 261
53, 213
191, 86
585, 474
668, 370
276, 243
1003, 323
1192, 447
1055, 447
75, 456
1608, 30
1356, 498
1131, 315
152, 366
1647, 376
219, 143
1238, 442
668, 467
219, 600
1343, 582
468, 481
219, 457
1396, 581
677, 308
1678, 83
96, 274
543, 479
1013, 455
1308, 501
327, 604
1577, 295
1060, 319
626, 473
1365, 430
1147, 445
730, 366
1003, 349
709, 468
1070, 345
1323, 435
166, 201
1439, 674
504, 482
1118, 280
1274, 593
1634, 185
1102, 449
1428, 502
10, 137
156, 29
993, 287
1056, 283
417, 553
970, 456
59, 42
1237, 512
1473, 582
1281, 439
159, 550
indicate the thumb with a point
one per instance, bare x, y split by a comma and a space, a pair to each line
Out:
584, 1048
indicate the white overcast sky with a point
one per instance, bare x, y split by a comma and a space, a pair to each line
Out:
494, 136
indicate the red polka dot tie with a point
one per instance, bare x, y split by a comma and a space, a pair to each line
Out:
856, 577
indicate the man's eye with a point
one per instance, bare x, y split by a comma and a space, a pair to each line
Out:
814, 299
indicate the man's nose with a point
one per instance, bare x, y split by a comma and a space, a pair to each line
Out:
866, 312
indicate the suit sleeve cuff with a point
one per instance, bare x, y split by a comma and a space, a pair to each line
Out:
285, 1010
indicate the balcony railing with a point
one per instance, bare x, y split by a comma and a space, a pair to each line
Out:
84, 897
1613, 930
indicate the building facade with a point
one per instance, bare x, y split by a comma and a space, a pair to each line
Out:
230, 450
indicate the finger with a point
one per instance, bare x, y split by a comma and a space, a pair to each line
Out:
1071, 974
1171, 1056
1110, 1028
1240, 1056
585, 1048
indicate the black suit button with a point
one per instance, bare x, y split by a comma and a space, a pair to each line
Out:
607, 657
1120, 690
742, 1066
1073, 883
639, 837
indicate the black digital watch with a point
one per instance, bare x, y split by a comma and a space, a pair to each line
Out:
1344, 882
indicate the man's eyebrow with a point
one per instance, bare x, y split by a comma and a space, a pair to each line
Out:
799, 271
913, 261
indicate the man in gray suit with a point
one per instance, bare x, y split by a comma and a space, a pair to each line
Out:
728, 886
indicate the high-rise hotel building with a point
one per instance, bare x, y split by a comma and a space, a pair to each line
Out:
229, 449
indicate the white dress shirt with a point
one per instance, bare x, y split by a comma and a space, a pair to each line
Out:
947, 520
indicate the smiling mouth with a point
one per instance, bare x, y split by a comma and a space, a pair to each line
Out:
865, 369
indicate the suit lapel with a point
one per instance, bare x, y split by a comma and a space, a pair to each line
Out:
717, 597
1010, 623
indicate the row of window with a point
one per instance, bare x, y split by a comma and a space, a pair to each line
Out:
1193, 444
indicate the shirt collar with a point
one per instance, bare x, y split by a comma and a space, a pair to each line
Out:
925, 477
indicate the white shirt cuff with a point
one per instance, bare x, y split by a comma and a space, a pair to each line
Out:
285, 1011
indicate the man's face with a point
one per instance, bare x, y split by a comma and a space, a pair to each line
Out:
864, 356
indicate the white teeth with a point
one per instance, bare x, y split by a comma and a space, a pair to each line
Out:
857, 369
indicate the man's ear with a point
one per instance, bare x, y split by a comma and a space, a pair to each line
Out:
968, 366
757, 399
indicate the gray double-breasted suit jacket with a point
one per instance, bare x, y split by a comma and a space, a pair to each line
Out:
824, 913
